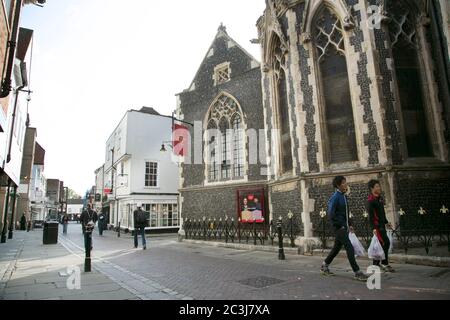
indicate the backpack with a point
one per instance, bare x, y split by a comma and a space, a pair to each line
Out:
141, 217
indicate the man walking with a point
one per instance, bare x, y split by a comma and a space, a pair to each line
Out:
338, 214
378, 222
88, 219
101, 223
140, 222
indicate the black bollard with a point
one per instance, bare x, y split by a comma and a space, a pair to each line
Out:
88, 245
118, 231
280, 241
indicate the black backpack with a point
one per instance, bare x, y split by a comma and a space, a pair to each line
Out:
141, 217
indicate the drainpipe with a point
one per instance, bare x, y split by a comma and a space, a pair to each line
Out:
24, 84
6, 82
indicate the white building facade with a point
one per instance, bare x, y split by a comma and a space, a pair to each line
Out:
139, 174
38, 187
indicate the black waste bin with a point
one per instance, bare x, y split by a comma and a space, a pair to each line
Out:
51, 232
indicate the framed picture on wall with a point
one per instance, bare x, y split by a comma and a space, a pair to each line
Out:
250, 205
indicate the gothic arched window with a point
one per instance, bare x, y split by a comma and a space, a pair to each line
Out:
405, 51
213, 165
225, 140
335, 88
238, 143
279, 65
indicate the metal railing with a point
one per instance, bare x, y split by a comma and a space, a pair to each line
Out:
420, 229
230, 230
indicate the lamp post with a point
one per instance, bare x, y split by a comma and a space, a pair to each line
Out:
114, 190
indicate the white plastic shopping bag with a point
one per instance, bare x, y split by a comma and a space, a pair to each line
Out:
357, 246
390, 235
375, 250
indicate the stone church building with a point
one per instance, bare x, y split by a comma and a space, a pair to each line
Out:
224, 96
356, 99
358, 88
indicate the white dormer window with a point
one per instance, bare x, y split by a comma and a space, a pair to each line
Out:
222, 73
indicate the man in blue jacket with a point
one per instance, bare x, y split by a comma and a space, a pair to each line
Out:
338, 214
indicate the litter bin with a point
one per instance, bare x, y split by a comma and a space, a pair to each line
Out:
51, 232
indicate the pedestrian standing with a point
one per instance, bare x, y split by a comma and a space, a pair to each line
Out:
338, 214
88, 219
23, 222
101, 223
65, 220
140, 222
379, 222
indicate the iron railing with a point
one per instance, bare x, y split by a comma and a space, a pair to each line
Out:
230, 230
419, 229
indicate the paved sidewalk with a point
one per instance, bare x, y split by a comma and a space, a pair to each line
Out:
30, 270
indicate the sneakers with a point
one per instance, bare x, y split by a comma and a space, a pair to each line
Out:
326, 271
360, 276
145, 248
387, 268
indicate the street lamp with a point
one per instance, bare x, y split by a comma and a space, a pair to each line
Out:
163, 146
169, 143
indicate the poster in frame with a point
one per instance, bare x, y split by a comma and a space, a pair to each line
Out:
250, 205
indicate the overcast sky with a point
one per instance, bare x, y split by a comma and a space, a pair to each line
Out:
94, 59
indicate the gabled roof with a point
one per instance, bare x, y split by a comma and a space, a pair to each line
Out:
222, 32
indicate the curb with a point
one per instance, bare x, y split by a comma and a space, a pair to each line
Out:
441, 262
431, 261
243, 246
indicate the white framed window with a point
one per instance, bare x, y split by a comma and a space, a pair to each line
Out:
151, 174
162, 214
222, 73
225, 140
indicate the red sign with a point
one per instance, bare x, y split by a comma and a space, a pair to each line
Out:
107, 190
180, 140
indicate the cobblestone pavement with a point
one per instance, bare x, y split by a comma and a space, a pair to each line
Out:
174, 270
204, 272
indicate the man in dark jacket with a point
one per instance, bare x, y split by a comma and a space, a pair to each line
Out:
140, 222
378, 222
339, 218
101, 223
88, 219
23, 222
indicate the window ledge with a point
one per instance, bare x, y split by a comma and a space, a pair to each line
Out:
423, 161
343, 166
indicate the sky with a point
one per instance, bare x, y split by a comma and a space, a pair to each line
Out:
94, 59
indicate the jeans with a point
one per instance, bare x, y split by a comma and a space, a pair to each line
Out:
386, 244
342, 239
65, 228
142, 232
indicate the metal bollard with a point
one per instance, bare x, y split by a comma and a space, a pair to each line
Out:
280, 241
118, 231
88, 245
